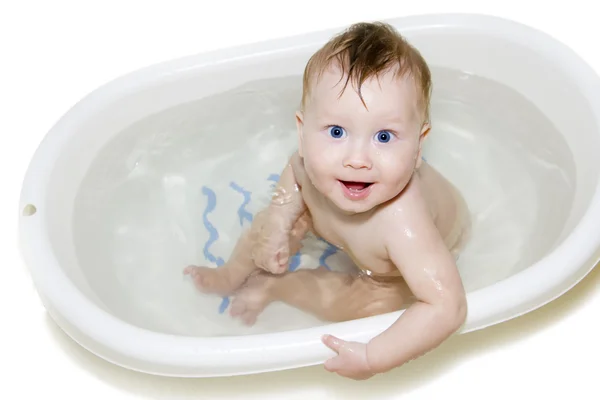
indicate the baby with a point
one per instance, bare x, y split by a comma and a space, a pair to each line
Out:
359, 182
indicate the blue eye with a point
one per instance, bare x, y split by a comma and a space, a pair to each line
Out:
384, 136
336, 131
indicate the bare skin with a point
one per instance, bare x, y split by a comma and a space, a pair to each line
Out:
230, 276
358, 181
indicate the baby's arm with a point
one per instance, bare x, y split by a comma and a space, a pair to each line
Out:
272, 248
287, 202
419, 252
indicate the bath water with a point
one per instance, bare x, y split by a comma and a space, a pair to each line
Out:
178, 188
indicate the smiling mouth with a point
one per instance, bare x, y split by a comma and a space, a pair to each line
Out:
356, 187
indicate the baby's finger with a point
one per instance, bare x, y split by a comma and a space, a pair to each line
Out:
332, 342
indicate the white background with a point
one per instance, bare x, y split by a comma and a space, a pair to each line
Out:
55, 52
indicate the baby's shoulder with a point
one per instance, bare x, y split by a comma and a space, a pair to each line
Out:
413, 199
409, 211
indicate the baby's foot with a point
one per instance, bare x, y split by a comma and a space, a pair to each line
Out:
211, 280
252, 298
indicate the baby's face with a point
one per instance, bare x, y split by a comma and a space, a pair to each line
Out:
361, 157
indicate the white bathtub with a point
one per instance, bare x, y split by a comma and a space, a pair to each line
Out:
516, 125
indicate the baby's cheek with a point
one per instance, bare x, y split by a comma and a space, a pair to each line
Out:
398, 172
317, 168
318, 157
318, 172
399, 159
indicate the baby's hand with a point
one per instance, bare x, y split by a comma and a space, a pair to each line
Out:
271, 251
351, 361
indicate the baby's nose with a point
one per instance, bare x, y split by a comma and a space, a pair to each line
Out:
358, 160
358, 163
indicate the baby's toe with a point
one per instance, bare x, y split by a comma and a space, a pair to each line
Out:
205, 279
190, 270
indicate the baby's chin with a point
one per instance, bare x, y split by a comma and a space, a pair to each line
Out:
352, 207
375, 200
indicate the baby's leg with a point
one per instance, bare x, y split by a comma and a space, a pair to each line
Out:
331, 296
226, 279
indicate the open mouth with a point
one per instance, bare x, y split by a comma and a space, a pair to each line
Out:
356, 190
356, 186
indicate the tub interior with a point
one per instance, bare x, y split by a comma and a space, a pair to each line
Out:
167, 172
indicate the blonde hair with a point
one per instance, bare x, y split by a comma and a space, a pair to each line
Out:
368, 49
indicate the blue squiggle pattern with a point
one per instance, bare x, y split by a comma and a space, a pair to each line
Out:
294, 262
211, 199
242, 212
328, 252
213, 236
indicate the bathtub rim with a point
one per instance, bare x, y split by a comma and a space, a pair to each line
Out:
577, 254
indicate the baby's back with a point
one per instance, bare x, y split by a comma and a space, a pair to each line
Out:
448, 208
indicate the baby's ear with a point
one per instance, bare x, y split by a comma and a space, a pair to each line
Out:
300, 130
424, 131
422, 136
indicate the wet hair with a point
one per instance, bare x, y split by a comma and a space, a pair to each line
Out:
365, 50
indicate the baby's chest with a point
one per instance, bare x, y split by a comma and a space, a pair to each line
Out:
363, 242
360, 242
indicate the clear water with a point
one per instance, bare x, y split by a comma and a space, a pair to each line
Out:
178, 187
